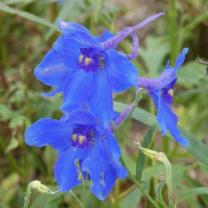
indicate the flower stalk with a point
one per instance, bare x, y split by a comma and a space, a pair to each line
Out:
120, 36
161, 157
39, 187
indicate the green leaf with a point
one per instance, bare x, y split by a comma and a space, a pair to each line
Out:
128, 162
74, 7
132, 199
196, 147
14, 143
28, 16
141, 157
97, 5
152, 61
138, 114
159, 189
5, 113
18, 120
190, 74
75, 10
9, 2
8, 187
47, 201
192, 192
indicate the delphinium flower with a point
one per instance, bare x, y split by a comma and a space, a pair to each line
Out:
87, 69
161, 91
86, 151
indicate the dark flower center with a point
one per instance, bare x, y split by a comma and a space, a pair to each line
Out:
91, 59
82, 136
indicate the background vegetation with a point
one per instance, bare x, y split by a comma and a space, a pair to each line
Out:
27, 31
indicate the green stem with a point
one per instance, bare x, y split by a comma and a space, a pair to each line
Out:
117, 194
196, 21
27, 196
126, 192
144, 192
172, 14
168, 169
39, 187
10, 157
77, 199
161, 157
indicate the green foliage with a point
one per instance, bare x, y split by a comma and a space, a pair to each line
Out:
27, 30
141, 157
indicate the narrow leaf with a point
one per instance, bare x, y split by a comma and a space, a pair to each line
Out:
192, 192
28, 16
141, 157
159, 196
196, 147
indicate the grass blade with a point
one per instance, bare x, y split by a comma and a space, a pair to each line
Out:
141, 157
192, 192
196, 147
28, 16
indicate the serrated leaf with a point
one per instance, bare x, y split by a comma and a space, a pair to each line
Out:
190, 73
154, 61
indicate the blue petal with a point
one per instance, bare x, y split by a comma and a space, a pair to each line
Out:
96, 165
168, 77
81, 117
171, 123
173, 129
69, 50
167, 120
103, 183
181, 58
51, 93
101, 100
120, 169
179, 61
168, 98
106, 35
77, 91
65, 171
103, 169
79, 34
48, 131
121, 72
71, 27
111, 145
52, 69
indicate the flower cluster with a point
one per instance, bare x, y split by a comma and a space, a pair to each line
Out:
87, 70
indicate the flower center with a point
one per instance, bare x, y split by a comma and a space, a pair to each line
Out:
82, 136
91, 59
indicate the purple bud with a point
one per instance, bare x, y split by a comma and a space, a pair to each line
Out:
120, 36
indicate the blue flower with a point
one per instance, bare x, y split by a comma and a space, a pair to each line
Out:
160, 89
86, 151
86, 73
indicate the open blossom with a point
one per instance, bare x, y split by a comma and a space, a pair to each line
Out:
86, 151
160, 90
84, 71
87, 69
